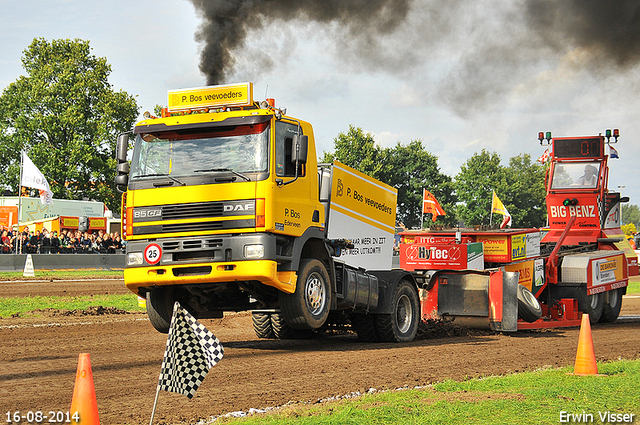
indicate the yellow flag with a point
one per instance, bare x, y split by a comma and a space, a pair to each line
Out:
498, 207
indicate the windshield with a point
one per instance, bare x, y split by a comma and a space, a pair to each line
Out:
575, 175
241, 149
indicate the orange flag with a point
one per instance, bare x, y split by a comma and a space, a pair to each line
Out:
431, 205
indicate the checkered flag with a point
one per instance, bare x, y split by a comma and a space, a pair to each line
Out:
191, 351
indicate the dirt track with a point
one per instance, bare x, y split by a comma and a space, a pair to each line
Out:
39, 357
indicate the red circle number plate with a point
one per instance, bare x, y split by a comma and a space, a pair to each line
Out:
153, 253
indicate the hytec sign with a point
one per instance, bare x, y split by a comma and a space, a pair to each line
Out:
418, 256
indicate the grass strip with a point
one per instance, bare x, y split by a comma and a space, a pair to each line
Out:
540, 397
22, 305
65, 274
634, 285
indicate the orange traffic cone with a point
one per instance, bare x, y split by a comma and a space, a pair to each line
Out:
586, 356
84, 394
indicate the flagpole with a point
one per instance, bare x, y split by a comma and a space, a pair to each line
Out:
20, 199
155, 403
493, 194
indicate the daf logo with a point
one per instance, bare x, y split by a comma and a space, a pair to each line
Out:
238, 207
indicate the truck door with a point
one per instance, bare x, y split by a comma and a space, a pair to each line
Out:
295, 200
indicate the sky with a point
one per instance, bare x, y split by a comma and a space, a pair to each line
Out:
476, 74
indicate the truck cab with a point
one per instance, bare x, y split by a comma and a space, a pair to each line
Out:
219, 195
577, 187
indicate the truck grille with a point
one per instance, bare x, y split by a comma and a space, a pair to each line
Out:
200, 210
195, 213
177, 245
195, 227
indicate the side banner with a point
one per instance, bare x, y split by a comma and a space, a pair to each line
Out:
363, 210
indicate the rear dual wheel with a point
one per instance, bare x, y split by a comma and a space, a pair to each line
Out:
273, 325
402, 324
262, 325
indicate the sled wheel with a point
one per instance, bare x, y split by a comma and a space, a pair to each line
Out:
402, 324
308, 306
529, 308
160, 308
611, 307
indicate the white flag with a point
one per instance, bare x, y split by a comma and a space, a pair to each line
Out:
32, 177
190, 352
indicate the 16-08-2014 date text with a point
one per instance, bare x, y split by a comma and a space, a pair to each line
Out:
52, 416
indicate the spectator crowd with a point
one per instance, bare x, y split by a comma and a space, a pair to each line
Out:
69, 241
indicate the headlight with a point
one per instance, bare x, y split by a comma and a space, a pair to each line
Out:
254, 251
134, 259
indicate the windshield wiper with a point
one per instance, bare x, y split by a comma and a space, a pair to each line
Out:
164, 175
216, 170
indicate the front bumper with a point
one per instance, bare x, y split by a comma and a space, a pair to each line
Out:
220, 259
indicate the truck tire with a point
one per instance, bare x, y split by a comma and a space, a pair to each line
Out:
160, 308
529, 308
364, 326
308, 306
402, 324
594, 307
262, 325
611, 308
282, 330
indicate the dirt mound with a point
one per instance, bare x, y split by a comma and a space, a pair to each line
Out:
432, 329
89, 311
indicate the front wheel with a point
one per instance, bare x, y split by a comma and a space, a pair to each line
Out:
611, 307
308, 306
402, 324
160, 308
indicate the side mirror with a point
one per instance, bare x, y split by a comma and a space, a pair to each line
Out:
299, 147
123, 168
122, 180
122, 146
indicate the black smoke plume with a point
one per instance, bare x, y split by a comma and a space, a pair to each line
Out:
488, 46
226, 23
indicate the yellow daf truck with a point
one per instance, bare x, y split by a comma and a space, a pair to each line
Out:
225, 208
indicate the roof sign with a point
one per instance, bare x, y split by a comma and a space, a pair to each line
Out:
213, 96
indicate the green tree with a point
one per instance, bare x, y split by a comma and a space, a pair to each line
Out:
630, 214
526, 192
410, 169
520, 187
67, 116
479, 176
358, 150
